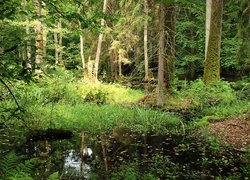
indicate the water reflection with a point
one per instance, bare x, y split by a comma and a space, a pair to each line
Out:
75, 166
175, 155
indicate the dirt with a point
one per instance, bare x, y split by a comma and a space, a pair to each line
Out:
234, 131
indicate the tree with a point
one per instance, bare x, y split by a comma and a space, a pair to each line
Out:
160, 94
244, 33
146, 39
56, 46
214, 10
170, 20
39, 37
99, 45
28, 43
60, 41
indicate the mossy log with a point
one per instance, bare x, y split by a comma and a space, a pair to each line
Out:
49, 134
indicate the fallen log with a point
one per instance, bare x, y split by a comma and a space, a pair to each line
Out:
49, 134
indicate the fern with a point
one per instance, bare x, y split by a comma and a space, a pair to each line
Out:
11, 168
8, 163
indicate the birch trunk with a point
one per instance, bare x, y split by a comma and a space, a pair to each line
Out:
160, 96
99, 45
82, 57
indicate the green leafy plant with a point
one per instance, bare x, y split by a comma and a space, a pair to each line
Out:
96, 96
12, 168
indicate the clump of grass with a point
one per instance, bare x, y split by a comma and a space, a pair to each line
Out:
96, 119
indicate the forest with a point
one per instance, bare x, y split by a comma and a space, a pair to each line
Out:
124, 89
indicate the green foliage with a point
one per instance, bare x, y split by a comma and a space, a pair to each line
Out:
126, 172
98, 97
11, 168
54, 176
209, 95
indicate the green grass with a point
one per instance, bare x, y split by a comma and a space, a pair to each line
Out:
96, 119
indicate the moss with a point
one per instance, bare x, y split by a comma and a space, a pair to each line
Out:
212, 63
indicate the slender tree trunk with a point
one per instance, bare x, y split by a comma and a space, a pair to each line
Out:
192, 51
146, 39
60, 42
82, 57
84, 73
214, 11
244, 26
45, 36
99, 45
160, 95
170, 20
90, 67
120, 65
112, 56
116, 65
39, 38
27, 29
56, 47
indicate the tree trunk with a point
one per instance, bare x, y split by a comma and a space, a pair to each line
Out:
27, 29
214, 11
116, 65
39, 38
160, 95
111, 57
82, 57
192, 51
170, 20
244, 34
45, 35
56, 47
99, 45
120, 65
146, 39
60, 42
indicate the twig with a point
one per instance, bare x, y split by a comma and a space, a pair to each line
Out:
7, 87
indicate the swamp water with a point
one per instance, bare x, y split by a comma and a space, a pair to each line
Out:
130, 156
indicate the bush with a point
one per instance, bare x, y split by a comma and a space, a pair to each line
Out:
215, 93
97, 97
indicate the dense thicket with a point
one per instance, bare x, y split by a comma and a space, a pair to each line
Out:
64, 24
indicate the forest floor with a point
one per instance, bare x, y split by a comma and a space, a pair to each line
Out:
234, 131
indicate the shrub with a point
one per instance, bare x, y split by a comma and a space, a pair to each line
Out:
96, 96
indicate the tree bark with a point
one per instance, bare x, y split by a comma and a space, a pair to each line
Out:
160, 95
39, 38
99, 45
170, 20
56, 47
45, 36
214, 11
27, 30
120, 65
146, 39
60, 42
82, 57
